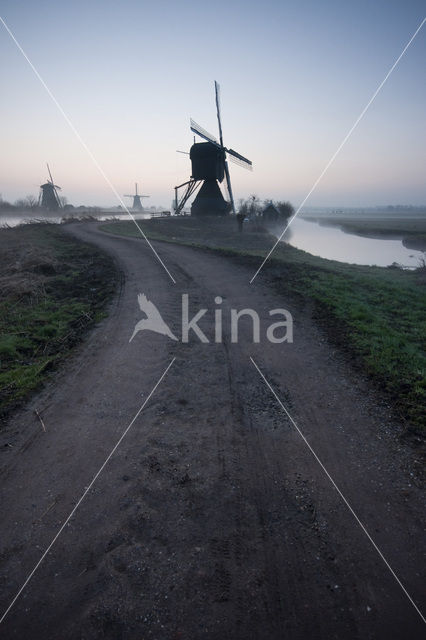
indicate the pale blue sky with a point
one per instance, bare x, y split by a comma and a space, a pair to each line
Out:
294, 77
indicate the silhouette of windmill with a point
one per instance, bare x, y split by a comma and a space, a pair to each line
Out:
137, 204
48, 197
209, 168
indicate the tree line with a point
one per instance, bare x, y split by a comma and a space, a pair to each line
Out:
253, 207
29, 203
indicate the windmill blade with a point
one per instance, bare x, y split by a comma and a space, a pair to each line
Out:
55, 188
56, 194
203, 133
239, 159
217, 91
229, 187
240, 163
50, 174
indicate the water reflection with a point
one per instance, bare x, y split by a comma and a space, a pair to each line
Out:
335, 244
15, 220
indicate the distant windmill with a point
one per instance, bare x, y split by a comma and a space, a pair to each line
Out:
137, 204
209, 167
48, 197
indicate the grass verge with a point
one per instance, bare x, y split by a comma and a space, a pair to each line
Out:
378, 315
53, 288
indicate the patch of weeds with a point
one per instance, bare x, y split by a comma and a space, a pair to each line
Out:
54, 288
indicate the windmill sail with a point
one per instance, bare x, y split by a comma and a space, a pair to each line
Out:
217, 92
54, 186
203, 133
239, 159
219, 122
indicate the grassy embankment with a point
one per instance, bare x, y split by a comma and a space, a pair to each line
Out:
53, 288
377, 314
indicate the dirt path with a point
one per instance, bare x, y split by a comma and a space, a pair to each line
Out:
212, 519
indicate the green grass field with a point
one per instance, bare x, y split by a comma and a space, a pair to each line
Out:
53, 289
377, 315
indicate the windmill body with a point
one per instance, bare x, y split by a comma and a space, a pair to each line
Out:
208, 162
137, 202
209, 167
49, 198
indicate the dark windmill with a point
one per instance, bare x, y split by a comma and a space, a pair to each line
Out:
137, 204
49, 198
209, 168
